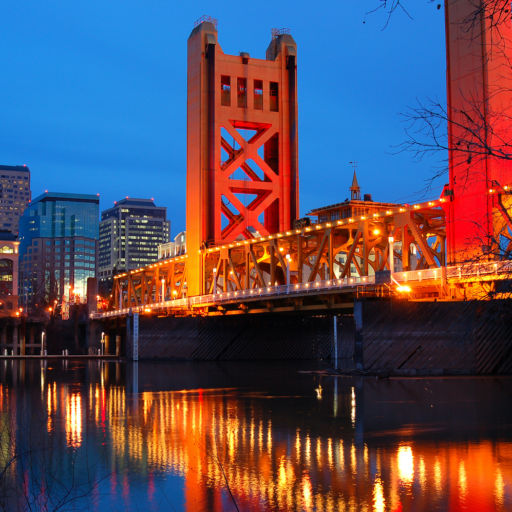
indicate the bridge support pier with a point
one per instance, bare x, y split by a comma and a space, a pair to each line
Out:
358, 336
335, 341
15, 333
132, 337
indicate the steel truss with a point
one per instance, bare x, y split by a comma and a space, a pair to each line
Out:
355, 247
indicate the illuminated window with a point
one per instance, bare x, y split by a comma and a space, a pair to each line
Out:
258, 94
242, 92
274, 96
225, 90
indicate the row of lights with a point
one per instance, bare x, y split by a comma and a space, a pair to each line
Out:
308, 229
402, 209
324, 225
176, 259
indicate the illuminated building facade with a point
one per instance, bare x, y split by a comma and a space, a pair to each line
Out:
8, 273
58, 248
178, 247
14, 195
130, 234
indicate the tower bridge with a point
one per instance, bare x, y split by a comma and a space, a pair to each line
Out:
246, 250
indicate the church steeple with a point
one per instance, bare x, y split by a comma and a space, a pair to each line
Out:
355, 190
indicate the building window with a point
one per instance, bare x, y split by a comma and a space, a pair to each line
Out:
242, 92
258, 94
225, 90
274, 96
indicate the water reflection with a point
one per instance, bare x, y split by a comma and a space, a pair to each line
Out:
266, 444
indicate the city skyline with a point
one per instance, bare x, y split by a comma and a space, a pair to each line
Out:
110, 101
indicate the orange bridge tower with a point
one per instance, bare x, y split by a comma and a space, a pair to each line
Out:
242, 148
479, 87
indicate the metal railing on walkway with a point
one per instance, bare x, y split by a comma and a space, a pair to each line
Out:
456, 272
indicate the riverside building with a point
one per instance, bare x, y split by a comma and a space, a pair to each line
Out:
14, 195
130, 233
58, 247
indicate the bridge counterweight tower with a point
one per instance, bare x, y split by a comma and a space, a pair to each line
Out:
242, 162
479, 90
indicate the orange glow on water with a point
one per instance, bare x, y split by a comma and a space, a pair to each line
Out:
74, 420
405, 463
210, 437
379, 503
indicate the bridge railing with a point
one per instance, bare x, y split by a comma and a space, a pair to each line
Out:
253, 293
468, 270
465, 270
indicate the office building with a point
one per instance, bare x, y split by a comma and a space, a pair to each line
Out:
58, 247
14, 195
130, 233
172, 249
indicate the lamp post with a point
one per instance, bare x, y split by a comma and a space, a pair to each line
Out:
214, 280
288, 263
391, 241
162, 292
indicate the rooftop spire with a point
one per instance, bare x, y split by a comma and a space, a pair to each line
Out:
355, 189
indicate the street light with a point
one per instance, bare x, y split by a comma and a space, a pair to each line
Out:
288, 263
391, 241
163, 290
214, 281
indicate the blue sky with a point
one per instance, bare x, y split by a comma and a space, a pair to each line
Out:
94, 93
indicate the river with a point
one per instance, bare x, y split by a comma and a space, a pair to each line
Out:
190, 436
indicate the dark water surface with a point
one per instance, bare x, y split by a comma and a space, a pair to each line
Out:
249, 437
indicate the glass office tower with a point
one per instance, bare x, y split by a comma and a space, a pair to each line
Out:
130, 233
58, 248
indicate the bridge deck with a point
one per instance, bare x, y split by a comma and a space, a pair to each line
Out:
330, 294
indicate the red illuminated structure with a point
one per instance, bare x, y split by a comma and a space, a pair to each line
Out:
242, 169
479, 86
243, 249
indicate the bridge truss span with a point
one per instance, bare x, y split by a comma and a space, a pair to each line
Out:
336, 255
355, 247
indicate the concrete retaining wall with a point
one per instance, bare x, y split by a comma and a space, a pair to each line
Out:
432, 337
382, 336
266, 336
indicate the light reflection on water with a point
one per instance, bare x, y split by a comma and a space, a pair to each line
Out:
200, 437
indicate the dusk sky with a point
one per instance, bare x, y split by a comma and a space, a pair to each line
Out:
94, 93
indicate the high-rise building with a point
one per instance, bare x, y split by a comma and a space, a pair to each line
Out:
130, 233
14, 195
58, 247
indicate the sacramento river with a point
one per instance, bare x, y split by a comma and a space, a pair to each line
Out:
251, 437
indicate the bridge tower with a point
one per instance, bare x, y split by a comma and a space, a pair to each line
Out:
479, 87
242, 162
